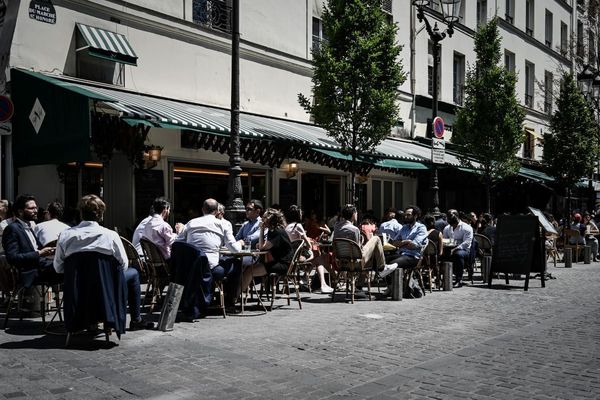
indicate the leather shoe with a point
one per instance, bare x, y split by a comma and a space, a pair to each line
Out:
141, 324
457, 284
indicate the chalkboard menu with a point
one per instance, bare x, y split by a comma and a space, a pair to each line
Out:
149, 184
518, 248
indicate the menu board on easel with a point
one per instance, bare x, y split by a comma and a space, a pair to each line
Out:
518, 248
149, 184
543, 220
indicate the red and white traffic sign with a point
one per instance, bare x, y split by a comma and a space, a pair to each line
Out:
438, 127
6, 108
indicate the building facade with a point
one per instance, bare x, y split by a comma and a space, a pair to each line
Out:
88, 75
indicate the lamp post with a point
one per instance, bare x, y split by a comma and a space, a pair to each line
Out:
235, 203
450, 13
588, 81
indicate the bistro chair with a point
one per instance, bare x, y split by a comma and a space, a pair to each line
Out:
94, 291
551, 248
429, 265
303, 264
573, 241
159, 274
135, 260
288, 279
350, 266
11, 285
484, 247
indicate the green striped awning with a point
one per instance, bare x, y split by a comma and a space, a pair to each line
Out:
108, 45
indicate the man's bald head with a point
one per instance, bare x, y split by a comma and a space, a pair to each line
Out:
210, 206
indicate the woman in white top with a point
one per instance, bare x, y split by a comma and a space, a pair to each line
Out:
296, 231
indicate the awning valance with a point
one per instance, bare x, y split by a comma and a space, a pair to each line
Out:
108, 45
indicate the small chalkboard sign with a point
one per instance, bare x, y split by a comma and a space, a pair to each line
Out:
518, 247
543, 220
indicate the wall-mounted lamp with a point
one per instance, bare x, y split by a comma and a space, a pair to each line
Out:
292, 169
152, 155
360, 179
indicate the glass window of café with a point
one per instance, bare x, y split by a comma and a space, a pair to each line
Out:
80, 179
385, 194
194, 183
321, 194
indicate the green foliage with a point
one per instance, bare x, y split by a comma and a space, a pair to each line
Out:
356, 75
489, 128
571, 149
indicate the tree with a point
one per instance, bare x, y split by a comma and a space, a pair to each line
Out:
356, 76
489, 128
571, 148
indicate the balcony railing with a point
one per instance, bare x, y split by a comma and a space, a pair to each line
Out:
548, 107
212, 14
529, 100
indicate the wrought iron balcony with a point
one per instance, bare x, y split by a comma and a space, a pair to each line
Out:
214, 14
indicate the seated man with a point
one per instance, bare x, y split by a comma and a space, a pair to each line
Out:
372, 250
90, 236
21, 246
158, 231
139, 230
250, 230
410, 241
462, 233
390, 225
209, 234
49, 230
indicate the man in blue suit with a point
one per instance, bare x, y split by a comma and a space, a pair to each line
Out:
23, 250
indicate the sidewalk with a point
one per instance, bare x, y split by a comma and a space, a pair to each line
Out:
473, 342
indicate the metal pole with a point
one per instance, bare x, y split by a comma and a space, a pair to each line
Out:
434, 110
235, 202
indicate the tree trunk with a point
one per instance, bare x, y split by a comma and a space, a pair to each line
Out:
488, 196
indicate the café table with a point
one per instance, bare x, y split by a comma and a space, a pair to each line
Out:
240, 255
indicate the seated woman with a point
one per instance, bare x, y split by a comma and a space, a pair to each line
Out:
296, 232
368, 227
277, 242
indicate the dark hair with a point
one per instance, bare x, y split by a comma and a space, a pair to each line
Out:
453, 219
429, 221
210, 206
416, 210
257, 204
348, 211
21, 201
55, 209
160, 204
274, 219
92, 208
294, 214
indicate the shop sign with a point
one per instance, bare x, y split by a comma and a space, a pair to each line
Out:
43, 11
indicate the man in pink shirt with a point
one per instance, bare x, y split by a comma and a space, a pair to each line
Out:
158, 231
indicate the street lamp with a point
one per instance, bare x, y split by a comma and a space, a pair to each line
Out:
235, 204
588, 81
450, 15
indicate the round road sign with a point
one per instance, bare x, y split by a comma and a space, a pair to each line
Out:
6, 108
438, 127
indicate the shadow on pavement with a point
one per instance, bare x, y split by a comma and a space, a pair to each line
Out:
78, 342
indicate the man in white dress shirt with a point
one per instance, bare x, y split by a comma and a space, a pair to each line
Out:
90, 236
49, 230
158, 230
137, 233
209, 234
462, 233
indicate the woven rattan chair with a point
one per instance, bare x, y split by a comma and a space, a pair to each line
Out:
573, 241
287, 279
348, 258
159, 274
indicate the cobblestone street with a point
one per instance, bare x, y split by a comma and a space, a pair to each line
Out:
473, 342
